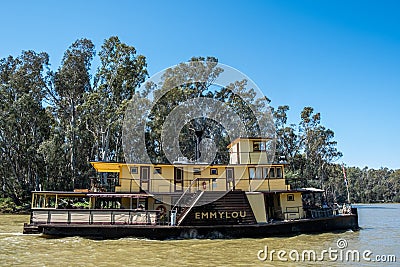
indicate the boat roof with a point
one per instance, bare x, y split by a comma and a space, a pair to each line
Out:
249, 139
297, 190
92, 194
312, 189
106, 166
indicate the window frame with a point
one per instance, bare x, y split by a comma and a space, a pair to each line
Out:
196, 171
133, 170
252, 170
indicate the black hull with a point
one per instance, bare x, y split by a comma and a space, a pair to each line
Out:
285, 228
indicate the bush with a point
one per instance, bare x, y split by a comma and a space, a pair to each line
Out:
7, 205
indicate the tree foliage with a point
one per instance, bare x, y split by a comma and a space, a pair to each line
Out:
53, 123
24, 123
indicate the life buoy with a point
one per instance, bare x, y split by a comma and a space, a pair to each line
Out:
204, 185
162, 209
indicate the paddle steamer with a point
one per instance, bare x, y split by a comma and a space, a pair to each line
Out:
248, 197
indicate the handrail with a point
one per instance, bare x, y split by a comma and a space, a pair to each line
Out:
94, 216
182, 216
187, 189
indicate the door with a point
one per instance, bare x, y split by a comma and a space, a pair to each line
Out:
230, 179
178, 179
144, 177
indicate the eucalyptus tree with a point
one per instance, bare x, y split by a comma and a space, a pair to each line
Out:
121, 71
288, 140
203, 132
70, 82
24, 124
178, 85
319, 148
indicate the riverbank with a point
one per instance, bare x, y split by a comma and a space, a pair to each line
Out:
7, 206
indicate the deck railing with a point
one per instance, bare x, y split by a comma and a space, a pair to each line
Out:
94, 216
292, 213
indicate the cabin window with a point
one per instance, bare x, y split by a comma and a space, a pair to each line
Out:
196, 171
157, 170
214, 183
178, 175
134, 170
272, 173
252, 173
229, 174
144, 175
259, 173
214, 171
290, 197
265, 172
279, 172
117, 182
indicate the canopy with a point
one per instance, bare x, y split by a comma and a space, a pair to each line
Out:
106, 166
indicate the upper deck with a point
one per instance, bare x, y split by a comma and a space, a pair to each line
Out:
249, 170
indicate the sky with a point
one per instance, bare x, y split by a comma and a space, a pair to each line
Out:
340, 57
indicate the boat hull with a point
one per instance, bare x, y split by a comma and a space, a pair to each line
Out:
283, 228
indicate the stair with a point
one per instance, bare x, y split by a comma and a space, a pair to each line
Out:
31, 229
193, 201
214, 202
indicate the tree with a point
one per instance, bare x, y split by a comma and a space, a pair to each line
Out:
121, 72
178, 85
288, 143
70, 83
203, 126
23, 123
318, 146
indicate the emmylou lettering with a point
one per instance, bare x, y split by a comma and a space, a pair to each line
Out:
219, 215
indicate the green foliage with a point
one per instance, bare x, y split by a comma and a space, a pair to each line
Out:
53, 123
7, 205
311, 153
23, 123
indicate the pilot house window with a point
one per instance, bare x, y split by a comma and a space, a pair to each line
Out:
278, 172
275, 172
272, 173
258, 146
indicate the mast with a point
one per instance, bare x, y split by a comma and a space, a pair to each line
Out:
346, 183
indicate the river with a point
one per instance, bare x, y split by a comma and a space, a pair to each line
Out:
379, 239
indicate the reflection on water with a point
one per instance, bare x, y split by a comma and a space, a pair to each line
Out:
380, 233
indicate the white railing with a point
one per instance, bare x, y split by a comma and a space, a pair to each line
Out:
93, 216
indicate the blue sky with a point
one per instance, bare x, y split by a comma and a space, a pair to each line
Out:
340, 57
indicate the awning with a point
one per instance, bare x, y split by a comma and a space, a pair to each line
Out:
101, 166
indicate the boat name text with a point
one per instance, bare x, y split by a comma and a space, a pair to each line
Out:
219, 215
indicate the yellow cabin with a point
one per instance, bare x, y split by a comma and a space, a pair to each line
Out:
247, 171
